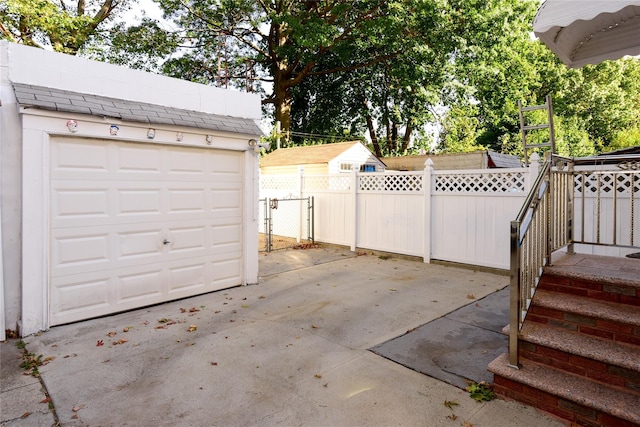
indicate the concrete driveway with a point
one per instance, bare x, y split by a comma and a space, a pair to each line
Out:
290, 351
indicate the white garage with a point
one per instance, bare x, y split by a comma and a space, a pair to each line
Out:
125, 202
134, 224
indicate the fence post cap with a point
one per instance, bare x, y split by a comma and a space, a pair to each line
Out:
428, 164
535, 157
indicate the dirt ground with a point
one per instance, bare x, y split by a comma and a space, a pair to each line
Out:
278, 242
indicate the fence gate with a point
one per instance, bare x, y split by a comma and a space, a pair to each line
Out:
286, 223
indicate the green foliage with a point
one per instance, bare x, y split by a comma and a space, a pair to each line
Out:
481, 392
64, 27
625, 138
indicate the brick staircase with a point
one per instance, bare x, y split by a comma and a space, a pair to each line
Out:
580, 344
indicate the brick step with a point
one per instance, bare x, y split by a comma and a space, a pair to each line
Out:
616, 364
568, 396
604, 278
616, 322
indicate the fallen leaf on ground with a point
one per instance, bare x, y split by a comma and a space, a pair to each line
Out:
452, 417
46, 400
192, 328
112, 333
450, 404
126, 329
318, 376
467, 424
99, 343
77, 408
25, 415
471, 296
214, 363
261, 297
120, 341
314, 326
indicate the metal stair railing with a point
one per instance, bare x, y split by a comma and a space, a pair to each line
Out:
545, 222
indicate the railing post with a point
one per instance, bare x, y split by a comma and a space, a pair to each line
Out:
571, 208
550, 214
426, 184
514, 295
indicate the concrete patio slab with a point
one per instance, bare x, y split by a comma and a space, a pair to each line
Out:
292, 350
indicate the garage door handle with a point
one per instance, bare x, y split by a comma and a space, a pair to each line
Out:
166, 242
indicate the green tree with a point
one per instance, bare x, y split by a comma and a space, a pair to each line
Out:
64, 26
283, 41
391, 99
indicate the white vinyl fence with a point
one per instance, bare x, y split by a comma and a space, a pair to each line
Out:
459, 216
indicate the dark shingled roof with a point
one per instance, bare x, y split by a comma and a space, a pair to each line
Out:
74, 102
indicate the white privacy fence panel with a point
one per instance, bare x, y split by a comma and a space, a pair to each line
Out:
471, 214
458, 216
334, 207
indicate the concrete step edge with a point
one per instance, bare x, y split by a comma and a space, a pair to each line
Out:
570, 387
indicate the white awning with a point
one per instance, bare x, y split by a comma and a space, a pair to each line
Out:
584, 32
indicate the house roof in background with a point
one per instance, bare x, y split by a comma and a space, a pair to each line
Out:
309, 154
454, 161
29, 96
504, 160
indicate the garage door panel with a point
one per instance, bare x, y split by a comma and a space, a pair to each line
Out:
108, 229
75, 203
187, 239
186, 163
76, 157
139, 160
227, 163
187, 277
142, 285
140, 243
183, 200
86, 293
139, 201
84, 251
225, 272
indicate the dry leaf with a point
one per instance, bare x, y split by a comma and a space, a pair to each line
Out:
471, 296
46, 400
99, 343
467, 424
112, 333
314, 326
192, 328
452, 417
126, 329
25, 415
450, 404
318, 376
214, 363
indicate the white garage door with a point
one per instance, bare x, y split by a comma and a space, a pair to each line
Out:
138, 224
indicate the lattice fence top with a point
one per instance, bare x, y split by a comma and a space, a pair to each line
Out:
605, 182
490, 182
392, 183
278, 182
340, 182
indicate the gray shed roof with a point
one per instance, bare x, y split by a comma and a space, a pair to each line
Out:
74, 102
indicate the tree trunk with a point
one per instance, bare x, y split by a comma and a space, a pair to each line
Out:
407, 138
372, 130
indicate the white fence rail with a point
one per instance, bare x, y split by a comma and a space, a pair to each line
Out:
459, 216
